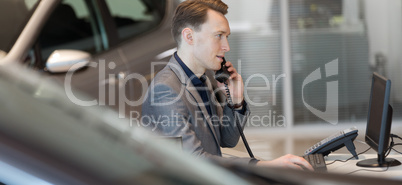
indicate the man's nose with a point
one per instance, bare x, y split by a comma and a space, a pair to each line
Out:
225, 45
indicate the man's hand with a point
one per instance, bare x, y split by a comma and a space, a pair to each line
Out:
235, 84
287, 161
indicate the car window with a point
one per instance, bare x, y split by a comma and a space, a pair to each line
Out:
134, 17
14, 15
72, 25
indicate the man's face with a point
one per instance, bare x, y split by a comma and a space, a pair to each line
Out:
211, 42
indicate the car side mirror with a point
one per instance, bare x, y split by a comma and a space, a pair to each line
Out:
64, 60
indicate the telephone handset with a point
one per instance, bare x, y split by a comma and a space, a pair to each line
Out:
222, 75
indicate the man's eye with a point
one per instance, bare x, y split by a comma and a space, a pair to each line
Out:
219, 35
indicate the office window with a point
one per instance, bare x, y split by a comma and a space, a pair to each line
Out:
256, 53
333, 37
323, 32
335, 46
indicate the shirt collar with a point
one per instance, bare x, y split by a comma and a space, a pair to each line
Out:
194, 79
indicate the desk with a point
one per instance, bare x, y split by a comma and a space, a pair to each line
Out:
350, 166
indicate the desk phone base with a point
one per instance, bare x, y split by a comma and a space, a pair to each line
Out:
317, 161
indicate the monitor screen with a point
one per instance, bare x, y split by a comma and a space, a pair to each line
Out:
379, 121
378, 111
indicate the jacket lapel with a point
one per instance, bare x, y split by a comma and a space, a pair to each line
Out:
193, 93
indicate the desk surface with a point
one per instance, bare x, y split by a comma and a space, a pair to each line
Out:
350, 166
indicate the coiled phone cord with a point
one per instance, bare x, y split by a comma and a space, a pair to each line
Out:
243, 137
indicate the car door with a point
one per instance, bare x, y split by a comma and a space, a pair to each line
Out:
76, 31
113, 43
144, 41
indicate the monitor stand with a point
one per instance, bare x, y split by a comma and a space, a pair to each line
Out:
387, 162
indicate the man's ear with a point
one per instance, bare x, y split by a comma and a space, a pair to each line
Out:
187, 35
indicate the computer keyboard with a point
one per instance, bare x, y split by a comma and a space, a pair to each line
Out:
317, 161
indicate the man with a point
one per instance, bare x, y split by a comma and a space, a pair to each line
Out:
184, 100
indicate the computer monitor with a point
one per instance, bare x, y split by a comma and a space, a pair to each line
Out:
379, 121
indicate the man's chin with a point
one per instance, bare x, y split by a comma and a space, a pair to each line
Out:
217, 68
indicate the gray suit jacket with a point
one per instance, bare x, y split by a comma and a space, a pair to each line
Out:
173, 107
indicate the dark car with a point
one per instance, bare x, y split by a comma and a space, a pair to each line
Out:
104, 48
